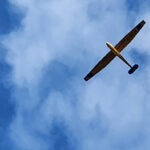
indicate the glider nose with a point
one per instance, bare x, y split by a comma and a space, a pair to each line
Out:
107, 43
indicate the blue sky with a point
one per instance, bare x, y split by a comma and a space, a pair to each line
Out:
46, 50
9, 21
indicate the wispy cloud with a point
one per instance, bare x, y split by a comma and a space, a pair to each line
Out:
57, 44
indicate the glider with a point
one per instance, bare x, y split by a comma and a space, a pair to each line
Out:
115, 51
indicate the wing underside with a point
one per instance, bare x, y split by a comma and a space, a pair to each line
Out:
110, 55
129, 37
100, 65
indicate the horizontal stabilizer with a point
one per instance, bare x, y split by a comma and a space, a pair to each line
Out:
133, 69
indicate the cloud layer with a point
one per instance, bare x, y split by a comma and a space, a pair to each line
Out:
57, 43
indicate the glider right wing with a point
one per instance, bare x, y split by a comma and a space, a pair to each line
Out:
129, 37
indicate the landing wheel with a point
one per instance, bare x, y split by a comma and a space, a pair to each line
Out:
133, 69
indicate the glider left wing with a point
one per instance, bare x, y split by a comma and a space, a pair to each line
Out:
100, 65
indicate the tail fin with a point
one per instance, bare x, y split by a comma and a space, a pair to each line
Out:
133, 69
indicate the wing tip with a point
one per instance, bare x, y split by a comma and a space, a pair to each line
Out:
86, 78
140, 25
143, 22
90, 75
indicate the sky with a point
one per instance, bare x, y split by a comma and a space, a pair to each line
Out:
46, 49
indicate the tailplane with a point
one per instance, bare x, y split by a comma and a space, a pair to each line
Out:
133, 69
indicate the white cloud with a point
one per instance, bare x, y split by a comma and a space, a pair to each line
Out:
107, 112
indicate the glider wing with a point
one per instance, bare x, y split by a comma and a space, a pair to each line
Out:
129, 37
100, 65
